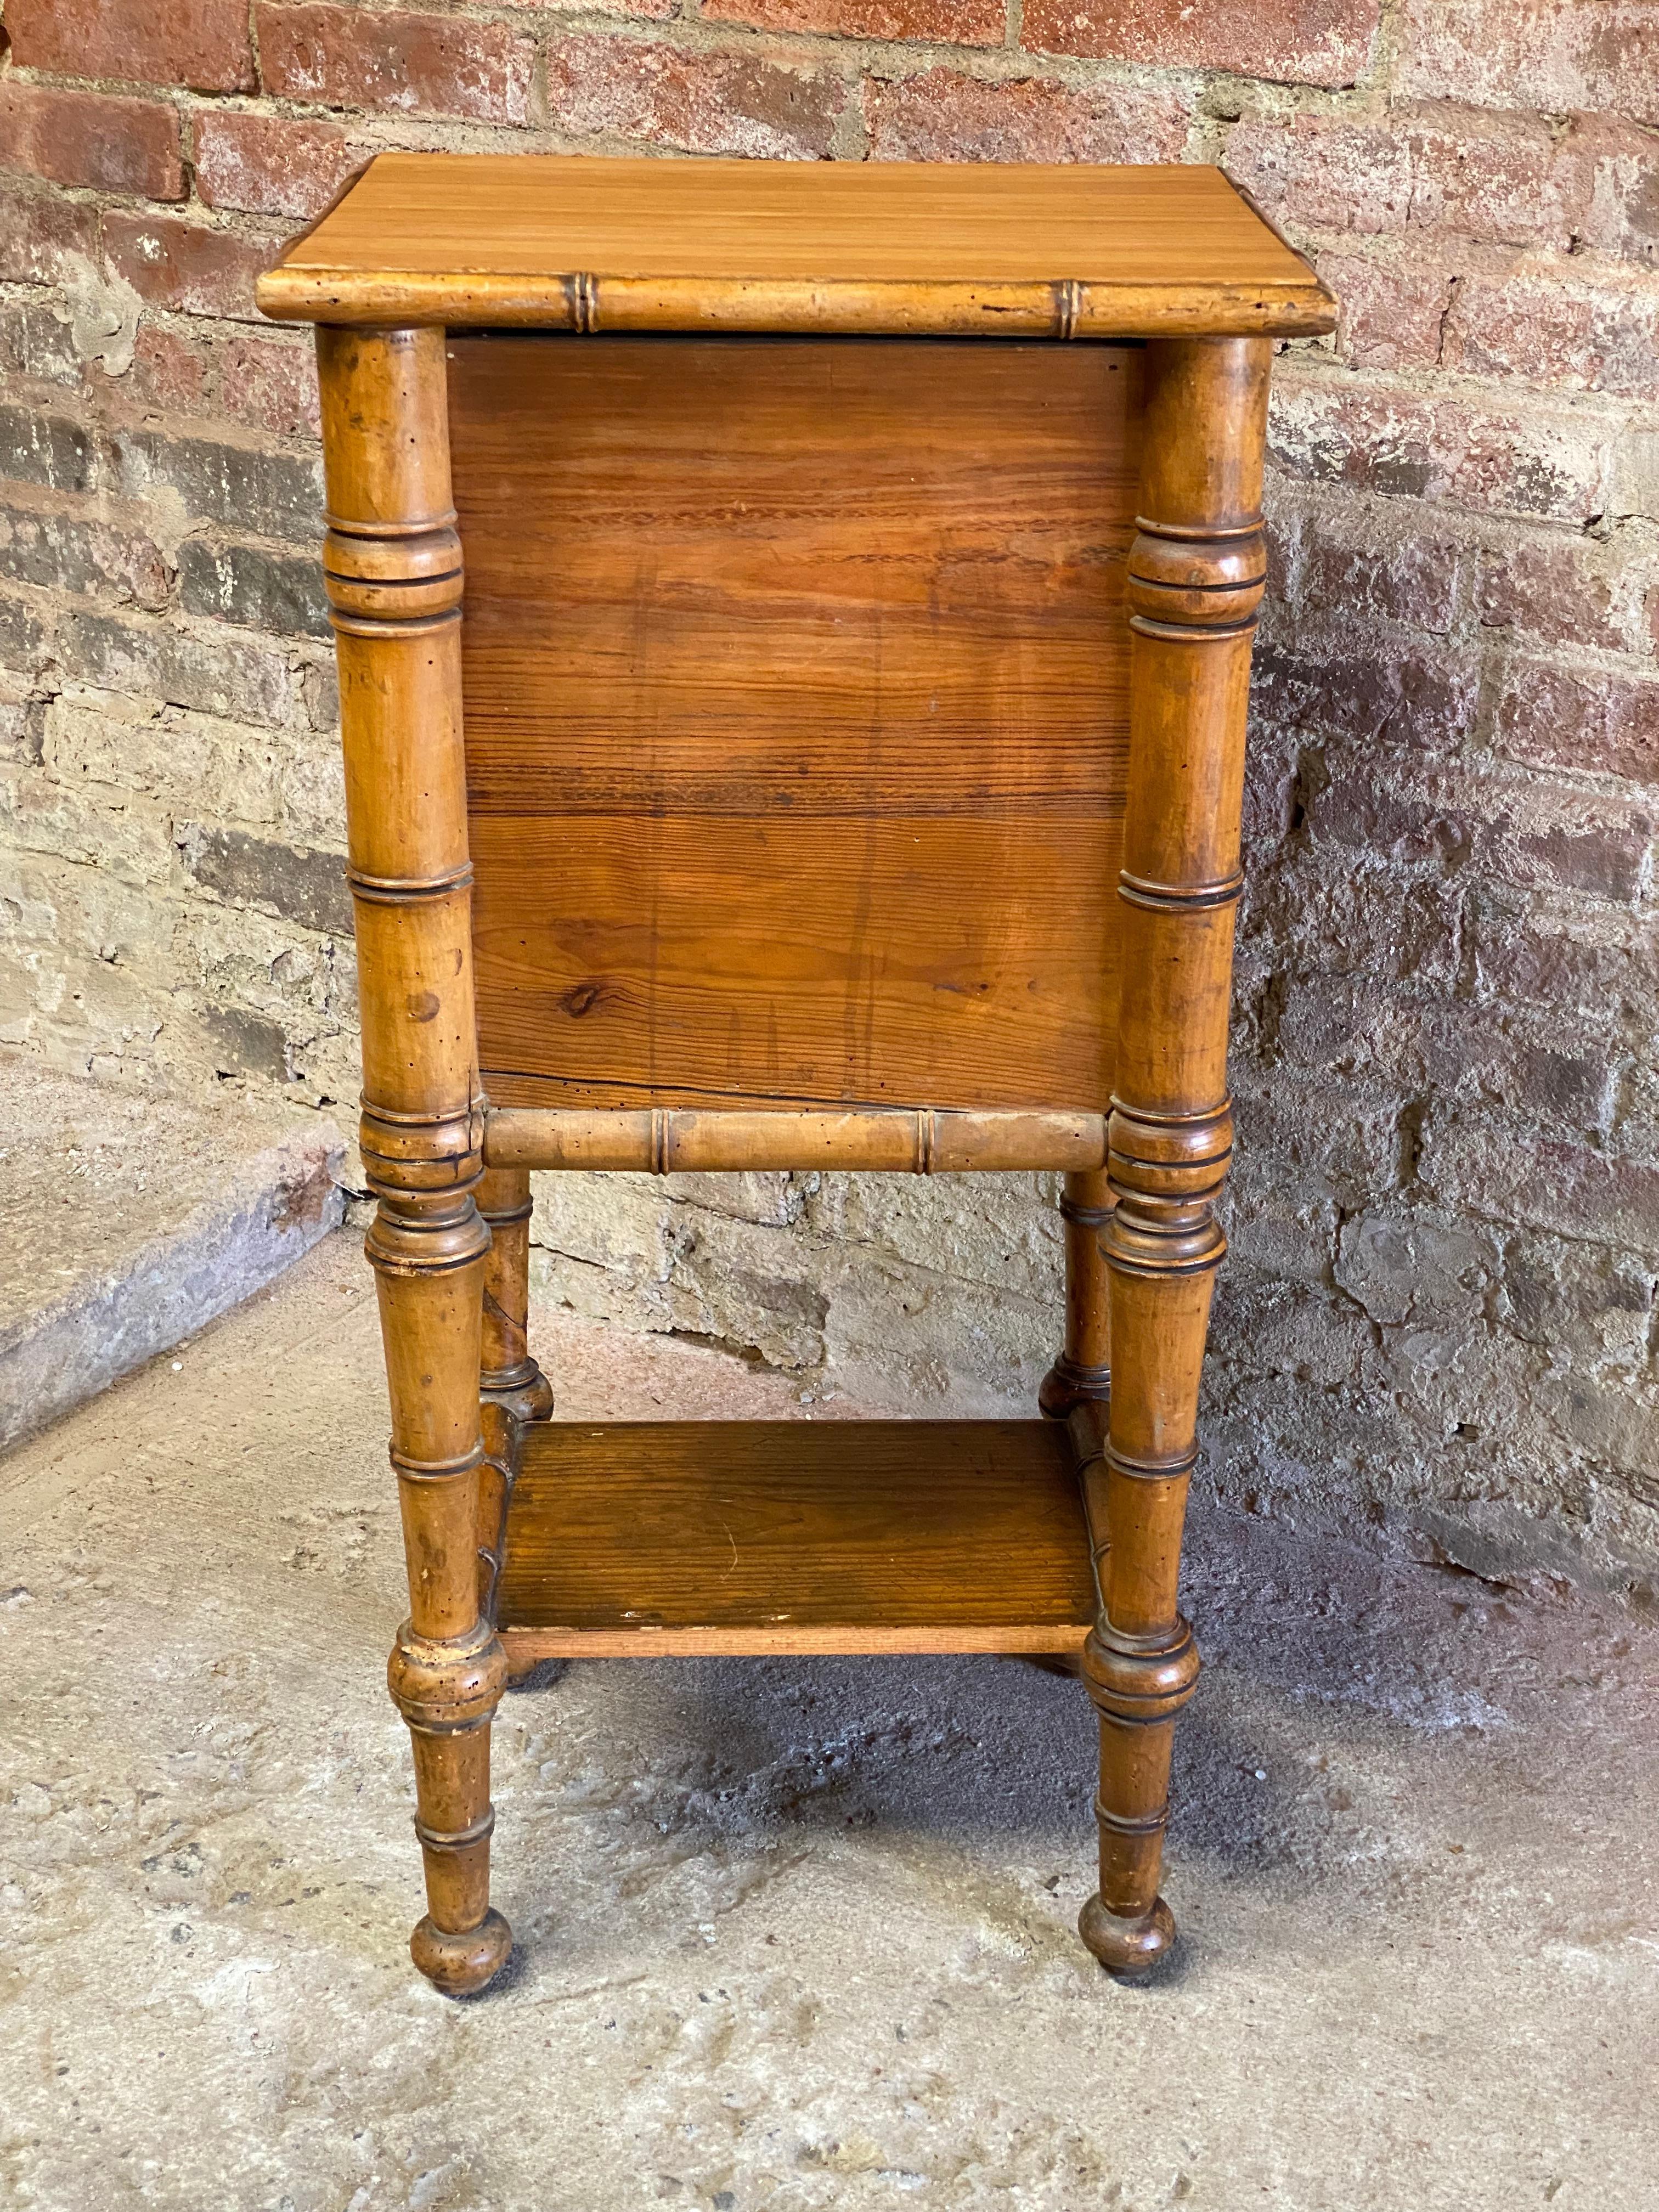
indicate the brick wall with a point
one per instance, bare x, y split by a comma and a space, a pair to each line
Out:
1439, 1319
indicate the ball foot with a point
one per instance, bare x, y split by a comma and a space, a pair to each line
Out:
1127, 1946
460, 1965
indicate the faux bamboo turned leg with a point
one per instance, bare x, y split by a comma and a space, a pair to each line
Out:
393, 568
1084, 1367
510, 1377
1196, 570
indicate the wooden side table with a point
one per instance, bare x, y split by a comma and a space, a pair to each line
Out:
862, 568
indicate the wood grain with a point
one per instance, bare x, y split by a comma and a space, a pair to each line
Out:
777, 1536
392, 569
1197, 570
796, 681
670, 1141
901, 248
803, 741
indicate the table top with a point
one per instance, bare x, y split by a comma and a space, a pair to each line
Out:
919, 248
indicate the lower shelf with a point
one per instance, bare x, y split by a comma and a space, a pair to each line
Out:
643, 1538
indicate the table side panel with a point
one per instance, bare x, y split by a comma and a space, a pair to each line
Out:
796, 678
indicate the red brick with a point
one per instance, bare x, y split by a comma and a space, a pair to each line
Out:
1536, 461
352, 57
1447, 1049
239, 486
952, 22
167, 371
1490, 177
1554, 594
1581, 718
184, 266
1392, 309
200, 43
1300, 41
657, 9
703, 103
1413, 579
77, 553
1542, 958
1615, 191
1472, 1165
1605, 852
42, 236
37, 447
1367, 690
268, 165
34, 343
1554, 55
271, 384
1439, 167
1550, 327
1526, 831
943, 116
107, 145
1322, 173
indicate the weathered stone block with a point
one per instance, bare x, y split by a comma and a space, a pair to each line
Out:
302, 885
38, 814
245, 488
46, 449
700, 102
253, 588
23, 634
943, 114
243, 678
185, 761
78, 553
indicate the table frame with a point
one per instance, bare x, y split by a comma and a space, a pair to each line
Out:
449, 1245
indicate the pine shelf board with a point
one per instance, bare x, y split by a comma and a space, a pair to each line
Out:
642, 1539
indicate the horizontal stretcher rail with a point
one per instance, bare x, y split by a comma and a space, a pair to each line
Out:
670, 1140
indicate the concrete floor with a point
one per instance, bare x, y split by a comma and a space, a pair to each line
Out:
793, 1934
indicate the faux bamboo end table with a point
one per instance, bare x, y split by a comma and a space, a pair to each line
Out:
861, 563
